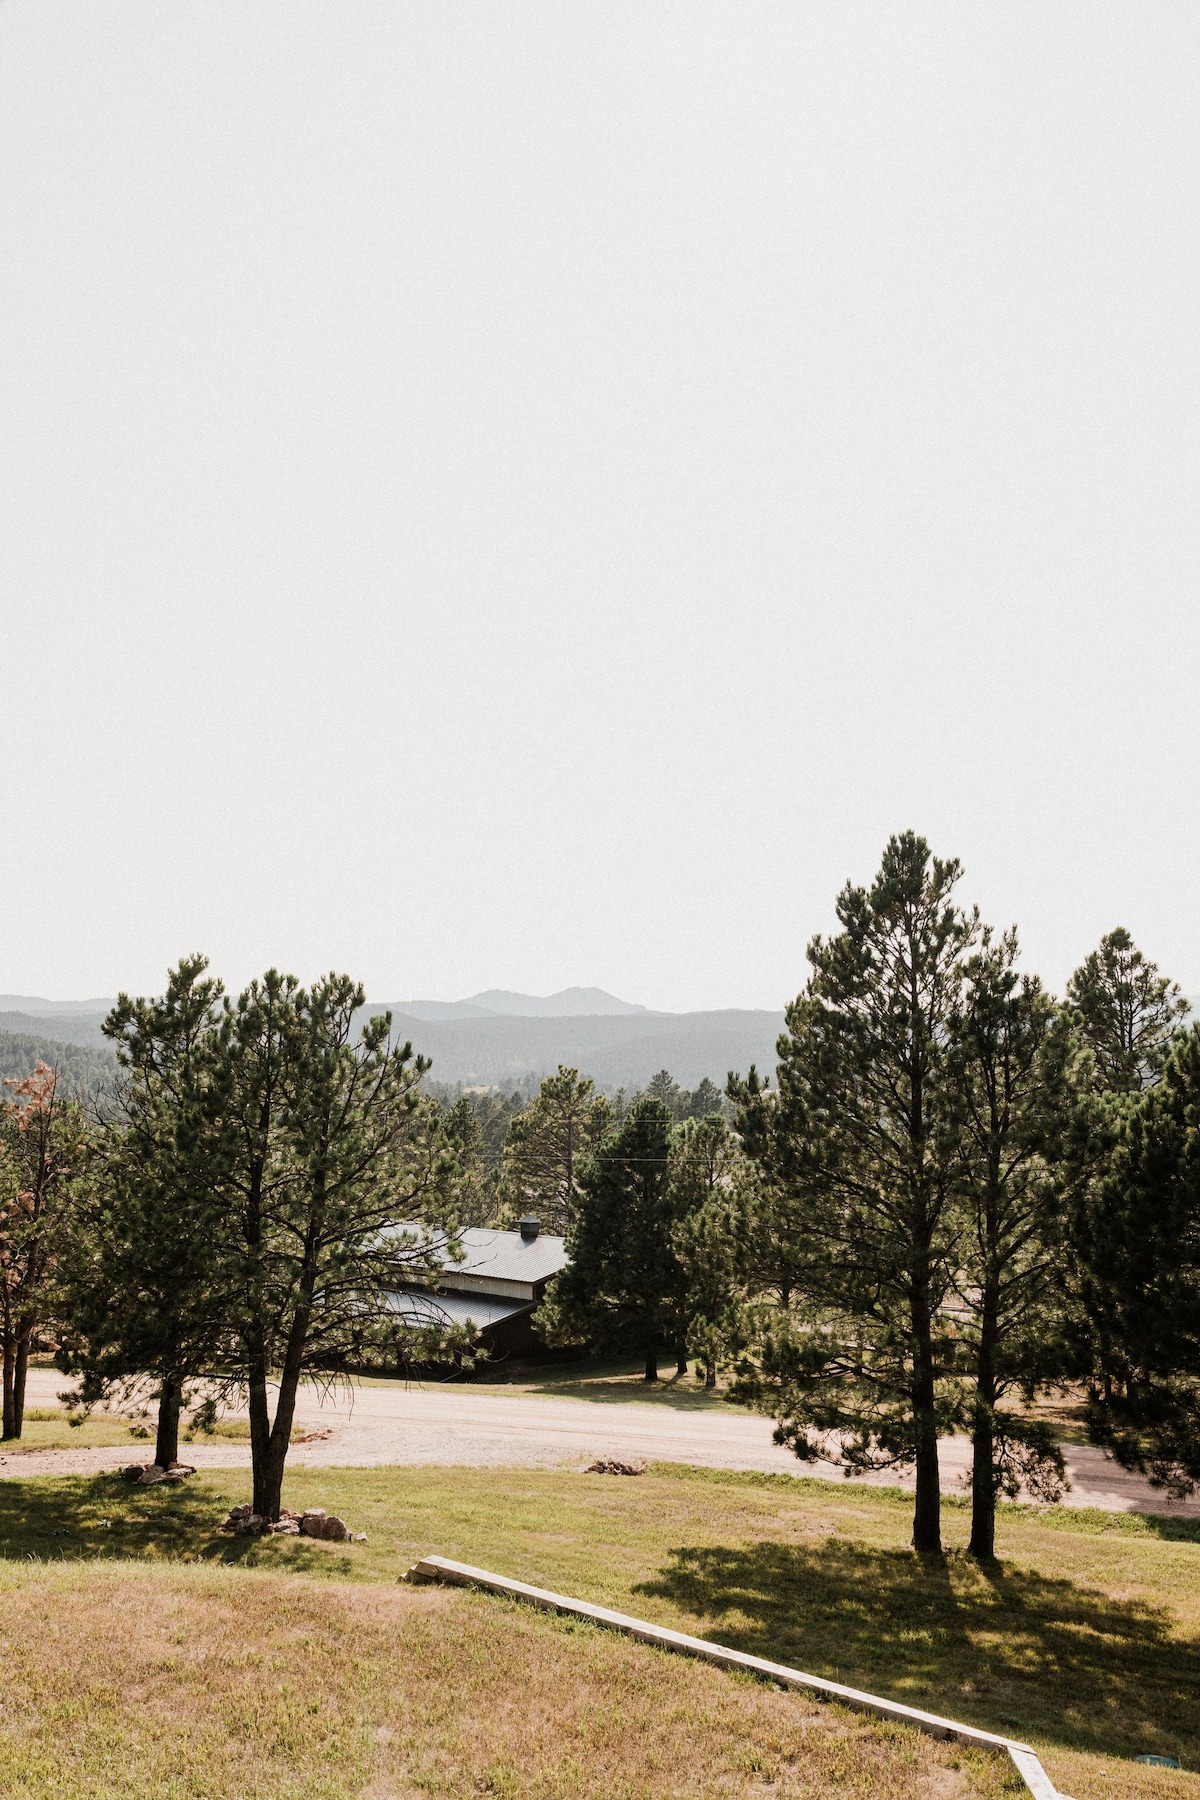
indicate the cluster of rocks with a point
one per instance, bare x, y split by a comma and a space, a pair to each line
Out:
315, 1523
148, 1474
608, 1467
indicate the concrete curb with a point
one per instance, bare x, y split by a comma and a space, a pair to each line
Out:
1025, 1760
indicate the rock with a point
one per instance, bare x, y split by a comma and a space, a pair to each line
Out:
284, 1528
245, 1521
317, 1523
145, 1474
607, 1467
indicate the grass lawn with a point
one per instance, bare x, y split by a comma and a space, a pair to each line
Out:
606, 1383
49, 1428
152, 1650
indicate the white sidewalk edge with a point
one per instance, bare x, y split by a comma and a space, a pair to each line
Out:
1025, 1759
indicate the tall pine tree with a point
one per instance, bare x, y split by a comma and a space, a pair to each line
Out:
1137, 1244
856, 1141
1009, 1066
621, 1288
1127, 1012
147, 1290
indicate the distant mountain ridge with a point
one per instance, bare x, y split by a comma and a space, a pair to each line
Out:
568, 1003
616, 1050
470, 1041
34, 1008
63, 1028
498, 1036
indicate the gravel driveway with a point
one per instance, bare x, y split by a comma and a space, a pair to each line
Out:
455, 1425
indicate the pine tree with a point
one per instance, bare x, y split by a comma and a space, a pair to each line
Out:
704, 1102
1137, 1243
147, 1291
42, 1156
549, 1142
1127, 1012
329, 1152
855, 1140
707, 1175
622, 1286
1009, 1066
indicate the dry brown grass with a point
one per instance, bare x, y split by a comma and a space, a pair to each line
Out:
184, 1682
1085, 1639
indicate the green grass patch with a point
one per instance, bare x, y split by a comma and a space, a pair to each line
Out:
603, 1383
47, 1429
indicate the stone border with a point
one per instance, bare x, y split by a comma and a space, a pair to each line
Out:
1024, 1759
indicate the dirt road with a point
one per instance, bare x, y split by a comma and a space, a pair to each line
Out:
449, 1425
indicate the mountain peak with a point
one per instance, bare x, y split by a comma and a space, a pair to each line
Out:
568, 1003
500, 1003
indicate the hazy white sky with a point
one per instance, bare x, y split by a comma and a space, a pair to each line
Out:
526, 494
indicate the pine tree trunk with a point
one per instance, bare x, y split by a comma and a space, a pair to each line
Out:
983, 1487
983, 1439
681, 1362
10, 1370
268, 1483
269, 1468
20, 1373
651, 1361
260, 1425
166, 1443
927, 1508
710, 1372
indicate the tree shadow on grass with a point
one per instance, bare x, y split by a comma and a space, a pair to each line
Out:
73, 1518
1008, 1649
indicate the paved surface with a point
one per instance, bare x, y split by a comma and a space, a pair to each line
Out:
453, 1425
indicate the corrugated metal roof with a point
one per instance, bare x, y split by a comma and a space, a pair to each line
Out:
501, 1255
507, 1256
455, 1309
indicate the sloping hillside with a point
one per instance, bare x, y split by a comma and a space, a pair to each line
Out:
81, 1070
622, 1051
61, 1028
615, 1049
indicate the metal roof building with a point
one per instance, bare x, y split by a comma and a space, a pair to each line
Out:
497, 1286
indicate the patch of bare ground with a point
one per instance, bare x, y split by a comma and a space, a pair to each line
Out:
184, 1683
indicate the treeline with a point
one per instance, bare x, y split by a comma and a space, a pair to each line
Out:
519, 1155
82, 1073
955, 1193
257, 1185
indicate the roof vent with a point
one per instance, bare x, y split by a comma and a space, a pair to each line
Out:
530, 1227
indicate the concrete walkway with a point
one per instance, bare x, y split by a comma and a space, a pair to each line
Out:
470, 1427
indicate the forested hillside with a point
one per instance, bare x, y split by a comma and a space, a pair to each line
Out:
81, 1070
61, 1027
621, 1051
616, 1050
